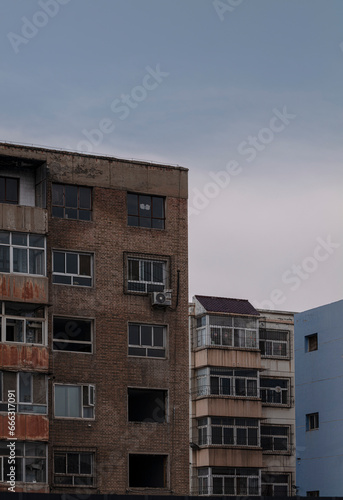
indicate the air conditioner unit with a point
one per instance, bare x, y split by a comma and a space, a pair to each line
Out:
162, 299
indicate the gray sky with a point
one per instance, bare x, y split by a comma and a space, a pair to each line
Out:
247, 94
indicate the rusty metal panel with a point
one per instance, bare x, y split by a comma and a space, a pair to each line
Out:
24, 356
23, 288
33, 427
22, 218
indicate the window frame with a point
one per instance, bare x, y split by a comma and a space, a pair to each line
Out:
6, 178
26, 247
234, 423
147, 347
25, 319
142, 218
272, 343
273, 437
91, 390
92, 475
73, 320
312, 421
228, 378
204, 333
77, 208
163, 405
146, 286
73, 275
165, 465
22, 458
311, 342
274, 484
22, 406
235, 473
270, 392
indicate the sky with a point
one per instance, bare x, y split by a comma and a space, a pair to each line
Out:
246, 94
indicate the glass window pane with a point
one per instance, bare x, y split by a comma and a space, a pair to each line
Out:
57, 212
19, 260
85, 215
146, 335
85, 198
4, 259
57, 195
217, 486
158, 207
71, 213
4, 237
71, 196
134, 270
36, 240
73, 463
2, 189
132, 221
36, 261
60, 463
145, 206
85, 265
67, 401
158, 336
12, 190
146, 270
241, 436
59, 262
134, 335
158, 272
85, 463
14, 330
132, 204
25, 387
72, 263
19, 239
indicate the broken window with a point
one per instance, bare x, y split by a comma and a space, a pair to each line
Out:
72, 334
72, 268
145, 211
71, 202
74, 401
147, 405
147, 340
74, 468
147, 471
30, 391
9, 190
21, 322
22, 253
30, 461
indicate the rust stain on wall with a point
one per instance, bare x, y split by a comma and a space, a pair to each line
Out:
24, 288
33, 427
23, 356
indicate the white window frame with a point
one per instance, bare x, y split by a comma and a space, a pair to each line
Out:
21, 461
148, 348
277, 389
20, 404
205, 332
25, 319
82, 410
73, 475
146, 286
273, 437
204, 375
26, 247
73, 276
272, 344
275, 485
234, 426
214, 473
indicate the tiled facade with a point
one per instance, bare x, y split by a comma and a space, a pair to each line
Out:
97, 361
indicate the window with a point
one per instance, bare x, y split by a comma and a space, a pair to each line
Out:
274, 391
74, 401
227, 331
30, 461
274, 343
275, 438
22, 253
21, 322
9, 190
312, 421
74, 468
72, 334
311, 342
145, 211
72, 268
275, 485
147, 405
313, 493
228, 431
147, 340
71, 202
227, 382
30, 390
145, 275
147, 471
228, 481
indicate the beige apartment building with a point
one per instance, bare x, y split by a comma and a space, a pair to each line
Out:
242, 399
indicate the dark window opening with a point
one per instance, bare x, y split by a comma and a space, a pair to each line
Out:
72, 334
71, 202
312, 421
9, 190
311, 342
147, 405
147, 471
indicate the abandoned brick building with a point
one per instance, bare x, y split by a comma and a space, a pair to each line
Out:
94, 323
